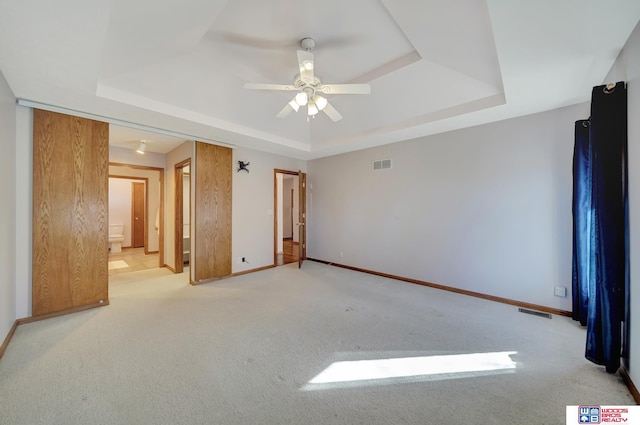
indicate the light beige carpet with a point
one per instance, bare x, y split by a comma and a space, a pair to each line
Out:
253, 350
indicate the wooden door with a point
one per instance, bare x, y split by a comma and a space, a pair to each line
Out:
211, 256
70, 209
138, 215
302, 217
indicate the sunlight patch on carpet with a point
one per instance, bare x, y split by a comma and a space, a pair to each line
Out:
118, 264
411, 369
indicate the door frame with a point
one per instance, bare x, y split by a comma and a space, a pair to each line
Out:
160, 172
179, 215
302, 239
146, 205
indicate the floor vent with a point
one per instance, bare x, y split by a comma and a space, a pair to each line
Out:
383, 164
535, 313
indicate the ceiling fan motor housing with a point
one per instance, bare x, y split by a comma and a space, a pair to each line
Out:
308, 43
303, 83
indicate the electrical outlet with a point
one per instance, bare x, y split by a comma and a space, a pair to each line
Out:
560, 291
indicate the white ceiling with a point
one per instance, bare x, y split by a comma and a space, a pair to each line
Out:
433, 65
130, 138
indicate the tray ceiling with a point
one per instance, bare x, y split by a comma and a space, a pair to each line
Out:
433, 65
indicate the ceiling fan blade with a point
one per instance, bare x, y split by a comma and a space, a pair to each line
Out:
345, 88
260, 86
249, 41
291, 106
332, 112
341, 41
306, 65
285, 111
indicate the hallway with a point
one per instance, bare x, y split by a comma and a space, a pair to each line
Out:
131, 259
290, 253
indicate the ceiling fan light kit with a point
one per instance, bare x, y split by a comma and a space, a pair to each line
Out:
301, 99
295, 105
320, 102
309, 87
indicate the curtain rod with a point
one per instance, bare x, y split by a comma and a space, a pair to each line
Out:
116, 121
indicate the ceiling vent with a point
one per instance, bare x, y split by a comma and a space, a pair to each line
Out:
383, 164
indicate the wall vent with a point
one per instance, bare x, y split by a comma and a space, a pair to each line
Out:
534, 313
383, 164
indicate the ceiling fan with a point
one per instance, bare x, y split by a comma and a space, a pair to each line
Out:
309, 87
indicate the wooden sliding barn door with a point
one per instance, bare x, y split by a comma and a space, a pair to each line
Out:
212, 233
70, 208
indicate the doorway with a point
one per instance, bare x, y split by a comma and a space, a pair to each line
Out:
182, 215
136, 198
127, 208
289, 217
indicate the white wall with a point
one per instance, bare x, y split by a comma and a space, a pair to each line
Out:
24, 202
290, 215
627, 68
296, 208
186, 203
279, 212
7, 212
485, 209
120, 205
253, 206
287, 221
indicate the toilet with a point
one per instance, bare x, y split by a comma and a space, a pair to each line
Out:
116, 237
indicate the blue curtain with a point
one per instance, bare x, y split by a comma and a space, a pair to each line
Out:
582, 222
600, 255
